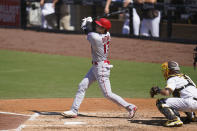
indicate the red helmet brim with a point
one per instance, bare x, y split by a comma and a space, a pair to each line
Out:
98, 23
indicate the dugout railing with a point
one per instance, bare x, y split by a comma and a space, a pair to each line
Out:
178, 22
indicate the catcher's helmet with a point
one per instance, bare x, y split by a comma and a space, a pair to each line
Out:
103, 22
168, 67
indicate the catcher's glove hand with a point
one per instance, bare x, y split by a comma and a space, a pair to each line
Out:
154, 91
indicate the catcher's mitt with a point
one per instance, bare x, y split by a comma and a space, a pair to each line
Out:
154, 91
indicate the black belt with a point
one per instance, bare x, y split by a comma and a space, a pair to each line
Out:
105, 61
195, 98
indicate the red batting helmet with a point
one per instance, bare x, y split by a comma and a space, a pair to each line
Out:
104, 23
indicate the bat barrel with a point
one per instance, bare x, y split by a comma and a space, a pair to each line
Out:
112, 13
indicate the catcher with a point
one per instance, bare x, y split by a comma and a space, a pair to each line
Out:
184, 95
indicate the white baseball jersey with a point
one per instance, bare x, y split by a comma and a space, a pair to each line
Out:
177, 82
100, 71
99, 45
188, 93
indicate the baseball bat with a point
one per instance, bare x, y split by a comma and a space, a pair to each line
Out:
112, 13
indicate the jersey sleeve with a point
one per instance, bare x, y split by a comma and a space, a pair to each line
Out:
92, 37
171, 84
88, 28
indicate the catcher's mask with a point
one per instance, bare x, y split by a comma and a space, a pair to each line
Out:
168, 67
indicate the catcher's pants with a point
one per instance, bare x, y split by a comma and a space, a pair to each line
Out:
101, 73
182, 104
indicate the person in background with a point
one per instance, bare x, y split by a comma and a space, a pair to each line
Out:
150, 21
62, 11
135, 20
49, 20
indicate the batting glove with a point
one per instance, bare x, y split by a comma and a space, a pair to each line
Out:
84, 22
89, 19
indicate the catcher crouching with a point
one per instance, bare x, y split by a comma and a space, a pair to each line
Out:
184, 93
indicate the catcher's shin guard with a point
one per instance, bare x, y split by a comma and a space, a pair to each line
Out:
169, 113
191, 117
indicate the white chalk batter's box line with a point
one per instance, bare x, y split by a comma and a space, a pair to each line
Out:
17, 114
65, 125
67, 122
35, 117
32, 117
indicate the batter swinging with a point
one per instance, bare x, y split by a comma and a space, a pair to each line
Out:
100, 70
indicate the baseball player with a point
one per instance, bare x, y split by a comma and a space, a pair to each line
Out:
99, 39
136, 18
48, 14
184, 91
150, 21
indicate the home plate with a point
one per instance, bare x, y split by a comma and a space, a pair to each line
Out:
74, 123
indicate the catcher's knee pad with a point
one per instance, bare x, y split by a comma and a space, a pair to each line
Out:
169, 113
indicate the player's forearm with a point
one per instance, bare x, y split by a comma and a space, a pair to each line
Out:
164, 92
41, 2
89, 28
55, 1
150, 1
107, 6
108, 3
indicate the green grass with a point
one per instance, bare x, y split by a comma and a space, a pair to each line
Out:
32, 75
